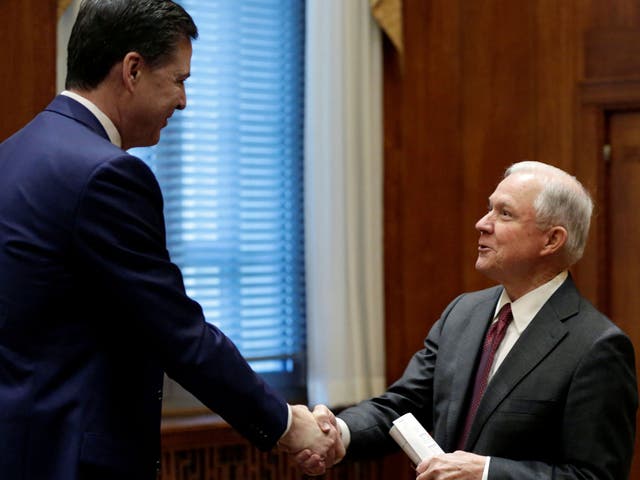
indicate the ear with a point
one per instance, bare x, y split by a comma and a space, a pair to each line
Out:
555, 238
132, 66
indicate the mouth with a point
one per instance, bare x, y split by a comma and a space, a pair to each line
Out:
483, 248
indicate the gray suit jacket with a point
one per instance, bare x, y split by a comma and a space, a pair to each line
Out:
562, 405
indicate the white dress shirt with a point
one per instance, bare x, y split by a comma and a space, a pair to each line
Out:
107, 124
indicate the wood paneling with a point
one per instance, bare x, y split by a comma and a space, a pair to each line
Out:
27, 56
612, 53
207, 448
624, 230
422, 176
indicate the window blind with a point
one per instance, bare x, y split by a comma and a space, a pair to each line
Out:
230, 168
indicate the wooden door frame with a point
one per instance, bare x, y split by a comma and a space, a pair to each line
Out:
598, 99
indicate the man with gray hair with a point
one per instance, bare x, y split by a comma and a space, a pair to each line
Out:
525, 380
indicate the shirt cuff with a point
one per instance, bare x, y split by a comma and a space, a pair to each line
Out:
485, 473
289, 420
345, 434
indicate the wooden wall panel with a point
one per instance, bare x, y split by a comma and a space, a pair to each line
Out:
556, 67
422, 176
27, 56
498, 54
207, 448
612, 53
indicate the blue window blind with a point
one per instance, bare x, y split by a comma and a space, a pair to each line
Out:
230, 168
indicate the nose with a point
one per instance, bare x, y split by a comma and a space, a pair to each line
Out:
182, 100
485, 224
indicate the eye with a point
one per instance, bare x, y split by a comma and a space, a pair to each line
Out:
505, 213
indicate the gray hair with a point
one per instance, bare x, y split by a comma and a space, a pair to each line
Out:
562, 201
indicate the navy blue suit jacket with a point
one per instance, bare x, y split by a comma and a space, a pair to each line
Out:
92, 311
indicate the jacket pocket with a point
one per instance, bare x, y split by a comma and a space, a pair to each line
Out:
526, 406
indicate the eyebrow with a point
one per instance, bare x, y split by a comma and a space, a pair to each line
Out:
500, 202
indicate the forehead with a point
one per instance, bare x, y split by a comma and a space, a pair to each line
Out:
518, 189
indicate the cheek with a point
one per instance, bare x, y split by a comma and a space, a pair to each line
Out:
510, 243
522, 247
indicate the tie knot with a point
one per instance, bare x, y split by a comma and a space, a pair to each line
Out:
505, 316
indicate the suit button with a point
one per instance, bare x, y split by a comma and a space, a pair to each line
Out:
159, 394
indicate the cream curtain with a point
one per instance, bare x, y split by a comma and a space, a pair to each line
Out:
67, 11
343, 202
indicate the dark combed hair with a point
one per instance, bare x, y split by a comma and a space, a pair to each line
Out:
106, 30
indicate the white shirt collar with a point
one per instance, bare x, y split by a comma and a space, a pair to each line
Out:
110, 128
527, 306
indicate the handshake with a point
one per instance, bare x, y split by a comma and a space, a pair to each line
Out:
314, 438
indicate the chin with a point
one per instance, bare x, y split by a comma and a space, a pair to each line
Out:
150, 142
480, 265
484, 268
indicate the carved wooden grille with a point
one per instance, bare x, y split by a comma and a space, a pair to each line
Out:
243, 462
213, 451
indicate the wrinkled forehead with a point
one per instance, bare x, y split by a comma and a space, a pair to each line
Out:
518, 189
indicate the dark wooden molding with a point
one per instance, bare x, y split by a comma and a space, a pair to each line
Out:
611, 93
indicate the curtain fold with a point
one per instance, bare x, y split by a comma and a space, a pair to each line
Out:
388, 14
343, 202
67, 12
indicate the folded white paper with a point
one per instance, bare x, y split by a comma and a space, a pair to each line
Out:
414, 439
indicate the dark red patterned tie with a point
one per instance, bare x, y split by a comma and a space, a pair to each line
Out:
491, 342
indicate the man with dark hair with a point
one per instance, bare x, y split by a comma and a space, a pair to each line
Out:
522, 381
106, 30
92, 311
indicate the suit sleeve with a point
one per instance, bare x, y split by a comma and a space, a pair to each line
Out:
120, 245
369, 421
598, 425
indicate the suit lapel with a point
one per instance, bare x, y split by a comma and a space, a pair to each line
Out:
467, 353
543, 334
